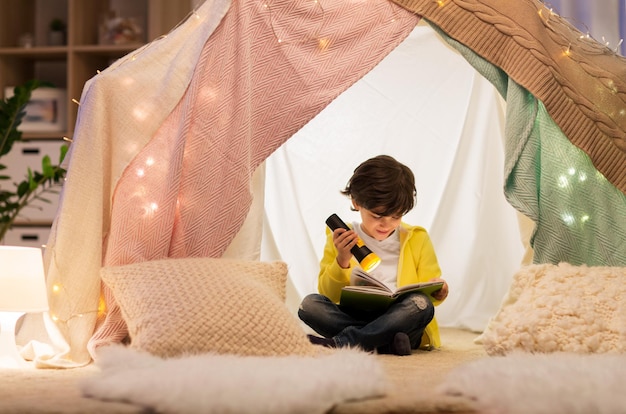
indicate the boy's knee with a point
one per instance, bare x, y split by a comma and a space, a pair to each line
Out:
304, 306
421, 301
423, 304
308, 305
307, 302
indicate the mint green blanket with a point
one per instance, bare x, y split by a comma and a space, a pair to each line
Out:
580, 216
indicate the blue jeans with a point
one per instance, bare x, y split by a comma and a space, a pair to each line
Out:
369, 331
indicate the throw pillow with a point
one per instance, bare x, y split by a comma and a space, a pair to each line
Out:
197, 305
561, 308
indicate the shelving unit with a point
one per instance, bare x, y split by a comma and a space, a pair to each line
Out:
70, 65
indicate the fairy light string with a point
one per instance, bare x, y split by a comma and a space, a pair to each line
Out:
58, 290
558, 24
577, 47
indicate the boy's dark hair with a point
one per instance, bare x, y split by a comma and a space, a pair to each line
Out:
383, 185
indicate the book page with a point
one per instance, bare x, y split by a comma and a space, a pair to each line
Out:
369, 289
360, 277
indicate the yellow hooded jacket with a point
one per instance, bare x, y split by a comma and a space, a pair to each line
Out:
417, 264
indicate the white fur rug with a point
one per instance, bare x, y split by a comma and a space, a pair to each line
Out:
560, 383
212, 383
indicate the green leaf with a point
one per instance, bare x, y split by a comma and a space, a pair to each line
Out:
22, 188
36, 184
46, 167
12, 111
64, 149
32, 181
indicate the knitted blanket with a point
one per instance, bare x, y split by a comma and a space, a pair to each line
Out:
581, 82
575, 209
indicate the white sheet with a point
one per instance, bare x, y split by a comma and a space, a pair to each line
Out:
447, 124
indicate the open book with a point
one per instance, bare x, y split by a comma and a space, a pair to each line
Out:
367, 293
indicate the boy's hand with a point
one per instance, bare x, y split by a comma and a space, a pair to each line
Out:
344, 240
442, 293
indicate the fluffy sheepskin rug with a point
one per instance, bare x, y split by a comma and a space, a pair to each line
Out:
561, 308
560, 383
211, 383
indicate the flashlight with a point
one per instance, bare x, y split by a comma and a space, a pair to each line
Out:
368, 259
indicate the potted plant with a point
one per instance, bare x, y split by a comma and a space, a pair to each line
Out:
56, 36
18, 192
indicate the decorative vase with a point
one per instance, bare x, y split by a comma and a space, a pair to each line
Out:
56, 38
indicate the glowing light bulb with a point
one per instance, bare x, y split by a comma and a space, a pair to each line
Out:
102, 306
568, 219
56, 288
568, 51
141, 113
323, 43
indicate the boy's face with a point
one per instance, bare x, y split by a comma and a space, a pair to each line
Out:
377, 226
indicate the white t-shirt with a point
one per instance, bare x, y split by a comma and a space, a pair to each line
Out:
389, 252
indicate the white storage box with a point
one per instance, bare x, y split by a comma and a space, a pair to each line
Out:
27, 236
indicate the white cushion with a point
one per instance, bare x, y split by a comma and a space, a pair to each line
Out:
552, 308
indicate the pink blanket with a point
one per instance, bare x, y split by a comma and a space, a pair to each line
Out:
266, 70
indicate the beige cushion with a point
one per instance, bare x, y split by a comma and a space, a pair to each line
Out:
196, 305
567, 308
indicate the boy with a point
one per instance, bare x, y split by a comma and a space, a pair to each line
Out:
382, 190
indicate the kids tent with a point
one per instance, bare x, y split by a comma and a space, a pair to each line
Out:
168, 139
